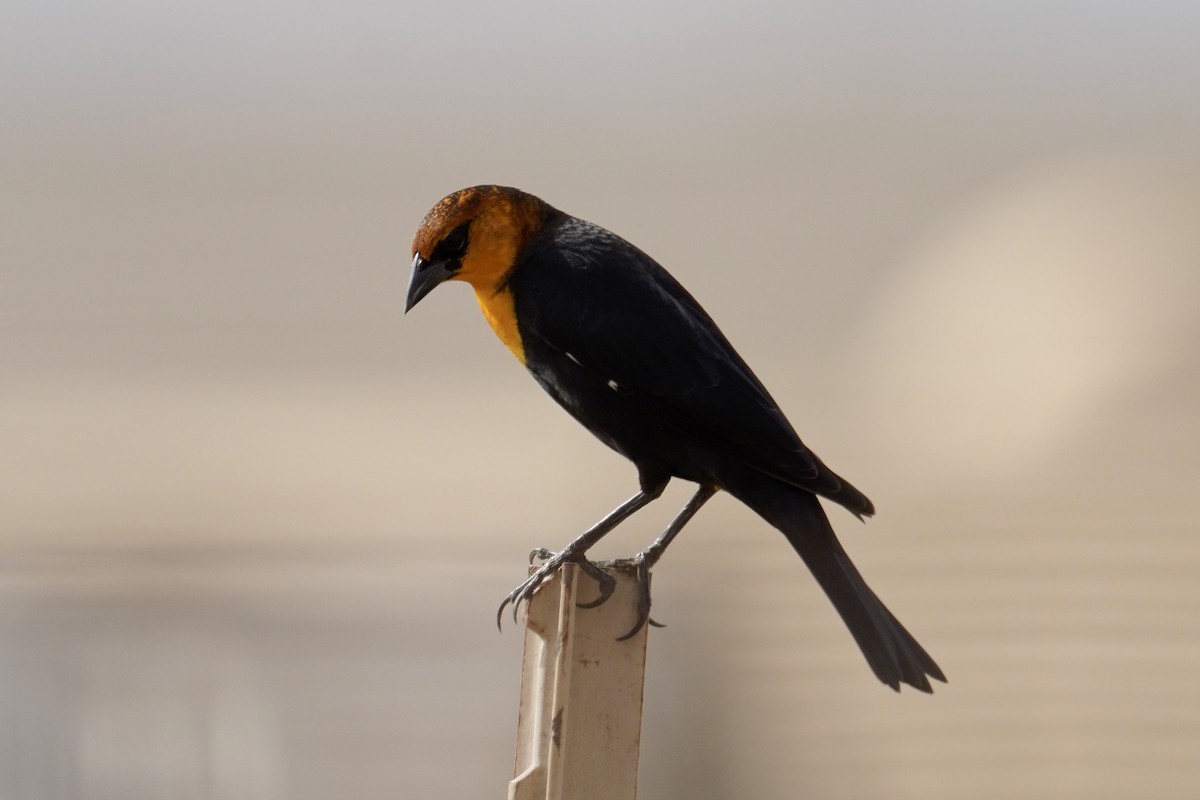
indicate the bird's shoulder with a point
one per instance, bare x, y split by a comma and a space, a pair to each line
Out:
578, 272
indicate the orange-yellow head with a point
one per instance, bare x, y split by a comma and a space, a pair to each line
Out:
475, 235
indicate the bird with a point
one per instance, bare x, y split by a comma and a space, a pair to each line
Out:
631, 355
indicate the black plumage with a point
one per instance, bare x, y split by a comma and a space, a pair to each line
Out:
624, 348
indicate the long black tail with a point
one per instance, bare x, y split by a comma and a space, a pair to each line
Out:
893, 654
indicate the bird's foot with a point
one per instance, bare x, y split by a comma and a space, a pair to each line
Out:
640, 566
607, 584
551, 562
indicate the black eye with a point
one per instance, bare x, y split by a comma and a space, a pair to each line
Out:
453, 246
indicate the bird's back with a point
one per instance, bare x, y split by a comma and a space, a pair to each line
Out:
597, 313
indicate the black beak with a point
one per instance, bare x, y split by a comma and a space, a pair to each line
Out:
426, 275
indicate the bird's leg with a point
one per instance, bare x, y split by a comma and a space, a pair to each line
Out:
646, 559
574, 552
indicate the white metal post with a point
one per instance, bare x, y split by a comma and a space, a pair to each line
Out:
579, 728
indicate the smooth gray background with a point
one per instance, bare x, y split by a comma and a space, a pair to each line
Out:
254, 523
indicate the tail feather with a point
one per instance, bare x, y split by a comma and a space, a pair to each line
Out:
830, 485
891, 651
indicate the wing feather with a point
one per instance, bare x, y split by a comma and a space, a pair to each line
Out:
620, 315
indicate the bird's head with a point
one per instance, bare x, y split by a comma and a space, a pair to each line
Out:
473, 235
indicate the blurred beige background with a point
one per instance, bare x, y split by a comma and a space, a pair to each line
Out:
254, 523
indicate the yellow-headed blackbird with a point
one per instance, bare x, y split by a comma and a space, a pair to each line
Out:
627, 352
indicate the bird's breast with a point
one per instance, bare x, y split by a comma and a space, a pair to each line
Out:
500, 311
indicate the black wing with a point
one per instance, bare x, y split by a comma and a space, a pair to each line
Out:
621, 316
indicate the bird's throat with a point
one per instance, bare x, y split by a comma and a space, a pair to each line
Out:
500, 312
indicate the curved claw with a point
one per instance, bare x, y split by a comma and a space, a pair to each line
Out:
642, 571
607, 584
540, 554
524, 591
